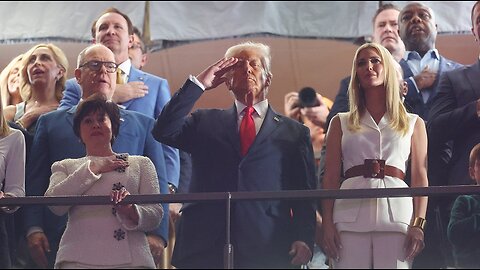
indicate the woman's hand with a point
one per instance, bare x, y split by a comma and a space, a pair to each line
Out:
331, 240
128, 210
34, 111
107, 164
414, 243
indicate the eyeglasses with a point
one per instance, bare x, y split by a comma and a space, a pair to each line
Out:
95, 65
136, 46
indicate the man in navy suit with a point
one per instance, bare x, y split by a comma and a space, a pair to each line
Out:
55, 140
423, 65
455, 117
264, 234
143, 92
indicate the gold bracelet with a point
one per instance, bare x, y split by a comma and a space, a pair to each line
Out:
419, 222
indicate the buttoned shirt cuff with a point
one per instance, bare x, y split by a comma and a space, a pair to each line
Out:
414, 83
196, 81
33, 230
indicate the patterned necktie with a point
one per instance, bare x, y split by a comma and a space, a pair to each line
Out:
120, 76
247, 130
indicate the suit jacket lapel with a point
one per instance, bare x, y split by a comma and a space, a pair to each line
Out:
271, 122
135, 76
229, 120
70, 114
473, 78
407, 72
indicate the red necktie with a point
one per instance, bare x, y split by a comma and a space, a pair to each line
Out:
247, 130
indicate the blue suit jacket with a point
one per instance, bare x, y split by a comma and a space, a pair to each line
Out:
150, 105
453, 117
281, 158
55, 140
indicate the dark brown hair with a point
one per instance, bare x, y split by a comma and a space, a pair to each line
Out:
382, 8
97, 103
112, 10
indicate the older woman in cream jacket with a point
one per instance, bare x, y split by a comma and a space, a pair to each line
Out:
102, 236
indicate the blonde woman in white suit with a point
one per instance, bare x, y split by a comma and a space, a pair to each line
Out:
374, 141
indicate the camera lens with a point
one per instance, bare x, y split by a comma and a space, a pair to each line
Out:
308, 97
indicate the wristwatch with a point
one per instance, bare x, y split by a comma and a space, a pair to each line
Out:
172, 188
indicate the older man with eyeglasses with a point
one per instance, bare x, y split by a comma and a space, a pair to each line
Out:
55, 140
138, 90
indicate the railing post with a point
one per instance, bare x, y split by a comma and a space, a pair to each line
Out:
228, 249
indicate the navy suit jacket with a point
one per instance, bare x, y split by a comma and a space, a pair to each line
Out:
55, 140
150, 105
453, 117
281, 158
414, 100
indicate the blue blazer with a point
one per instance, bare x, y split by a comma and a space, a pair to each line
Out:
150, 105
281, 158
55, 140
454, 118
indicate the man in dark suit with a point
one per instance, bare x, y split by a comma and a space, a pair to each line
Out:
423, 65
55, 140
264, 234
455, 117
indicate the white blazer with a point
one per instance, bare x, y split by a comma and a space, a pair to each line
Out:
374, 141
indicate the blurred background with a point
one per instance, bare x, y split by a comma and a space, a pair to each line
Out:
312, 43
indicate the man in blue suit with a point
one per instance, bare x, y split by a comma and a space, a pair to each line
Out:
143, 92
264, 234
55, 140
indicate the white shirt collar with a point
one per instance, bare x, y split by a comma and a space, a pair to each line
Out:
126, 66
433, 53
260, 107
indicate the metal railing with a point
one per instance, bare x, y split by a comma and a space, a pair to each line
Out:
228, 197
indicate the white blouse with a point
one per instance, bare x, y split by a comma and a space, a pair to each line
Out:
12, 164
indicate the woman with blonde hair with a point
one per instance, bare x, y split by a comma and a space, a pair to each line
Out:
10, 82
12, 179
373, 141
44, 74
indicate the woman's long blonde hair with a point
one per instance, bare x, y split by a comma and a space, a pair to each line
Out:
5, 94
395, 110
61, 61
4, 127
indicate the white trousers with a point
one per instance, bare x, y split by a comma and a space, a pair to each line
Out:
369, 250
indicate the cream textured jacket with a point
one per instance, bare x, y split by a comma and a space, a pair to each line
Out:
96, 235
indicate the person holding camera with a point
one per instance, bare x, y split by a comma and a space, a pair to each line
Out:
311, 109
